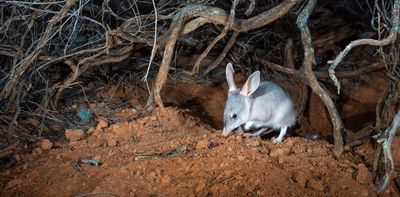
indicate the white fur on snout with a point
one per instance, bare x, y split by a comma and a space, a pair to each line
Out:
225, 132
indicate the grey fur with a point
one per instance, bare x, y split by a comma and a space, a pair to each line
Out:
257, 105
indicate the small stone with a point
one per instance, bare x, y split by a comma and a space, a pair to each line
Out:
101, 124
111, 142
241, 158
316, 184
135, 113
364, 175
279, 152
74, 134
58, 157
74, 106
46, 145
202, 144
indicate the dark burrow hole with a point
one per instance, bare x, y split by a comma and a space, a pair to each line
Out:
196, 110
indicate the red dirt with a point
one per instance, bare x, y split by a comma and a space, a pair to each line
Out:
212, 165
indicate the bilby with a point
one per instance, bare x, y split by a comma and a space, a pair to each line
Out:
257, 106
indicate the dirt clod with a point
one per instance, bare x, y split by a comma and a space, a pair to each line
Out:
111, 142
241, 158
316, 184
364, 175
239, 138
101, 124
289, 143
279, 152
46, 145
166, 180
74, 134
202, 144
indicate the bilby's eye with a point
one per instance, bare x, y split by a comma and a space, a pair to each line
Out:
234, 116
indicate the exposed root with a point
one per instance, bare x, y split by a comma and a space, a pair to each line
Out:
302, 20
386, 146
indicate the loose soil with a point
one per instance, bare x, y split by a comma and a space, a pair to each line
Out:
181, 152
134, 163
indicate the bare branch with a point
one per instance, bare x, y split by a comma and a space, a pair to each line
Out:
389, 39
216, 16
153, 51
224, 52
387, 144
41, 43
302, 20
219, 37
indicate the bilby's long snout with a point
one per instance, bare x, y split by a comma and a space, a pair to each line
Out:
226, 132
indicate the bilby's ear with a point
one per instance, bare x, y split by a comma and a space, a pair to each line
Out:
251, 84
229, 77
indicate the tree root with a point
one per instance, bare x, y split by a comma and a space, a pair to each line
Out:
386, 147
302, 20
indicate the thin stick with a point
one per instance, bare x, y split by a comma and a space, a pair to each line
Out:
153, 51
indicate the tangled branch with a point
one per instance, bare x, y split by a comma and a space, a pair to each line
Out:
214, 15
389, 39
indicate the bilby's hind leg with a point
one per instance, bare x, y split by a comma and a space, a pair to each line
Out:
256, 133
280, 137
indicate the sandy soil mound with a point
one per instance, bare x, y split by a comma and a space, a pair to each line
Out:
173, 154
